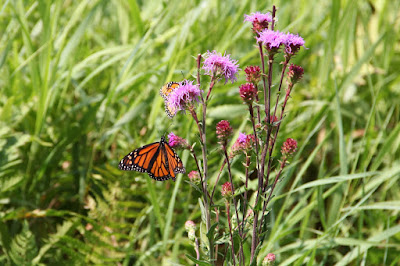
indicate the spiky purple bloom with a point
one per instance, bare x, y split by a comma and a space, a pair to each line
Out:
260, 21
272, 40
185, 96
218, 65
177, 142
293, 43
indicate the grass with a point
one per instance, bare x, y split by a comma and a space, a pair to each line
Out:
79, 82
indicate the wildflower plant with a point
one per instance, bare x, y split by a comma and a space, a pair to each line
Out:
246, 218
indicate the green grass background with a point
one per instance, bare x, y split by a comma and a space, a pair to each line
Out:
79, 85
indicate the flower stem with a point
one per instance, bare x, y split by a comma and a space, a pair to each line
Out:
228, 216
197, 249
280, 83
216, 181
234, 201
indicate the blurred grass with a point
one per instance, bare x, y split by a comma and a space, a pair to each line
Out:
79, 84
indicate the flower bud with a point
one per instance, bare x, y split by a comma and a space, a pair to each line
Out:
226, 190
248, 92
269, 259
194, 177
295, 73
253, 74
289, 147
224, 131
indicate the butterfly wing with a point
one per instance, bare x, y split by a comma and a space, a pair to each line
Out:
152, 159
174, 162
139, 159
159, 169
170, 110
168, 88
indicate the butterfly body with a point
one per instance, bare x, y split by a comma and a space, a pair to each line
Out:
157, 159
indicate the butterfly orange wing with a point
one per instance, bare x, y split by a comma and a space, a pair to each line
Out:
168, 88
157, 159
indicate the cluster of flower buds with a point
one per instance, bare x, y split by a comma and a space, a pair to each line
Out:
190, 227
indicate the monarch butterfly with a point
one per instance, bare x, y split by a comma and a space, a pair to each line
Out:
157, 159
165, 91
168, 88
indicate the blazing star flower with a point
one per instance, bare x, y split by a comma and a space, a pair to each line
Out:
253, 74
289, 147
260, 21
295, 73
226, 190
177, 142
185, 96
217, 65
272, 39
194, 176
293, 43
269, 259
224, 131
248, 92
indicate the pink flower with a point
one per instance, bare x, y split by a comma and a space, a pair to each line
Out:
269, 259
224, 131
190, 225
248, 92
194, 176
244, 143
272, 40
226, 190
293, 43
177, 142
220, 66
260, 21
185, 96
253, 74
289, 147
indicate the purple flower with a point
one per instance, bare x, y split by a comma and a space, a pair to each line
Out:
293, 43
260, 21
217, 65
272, 39
184, 97
177, 142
